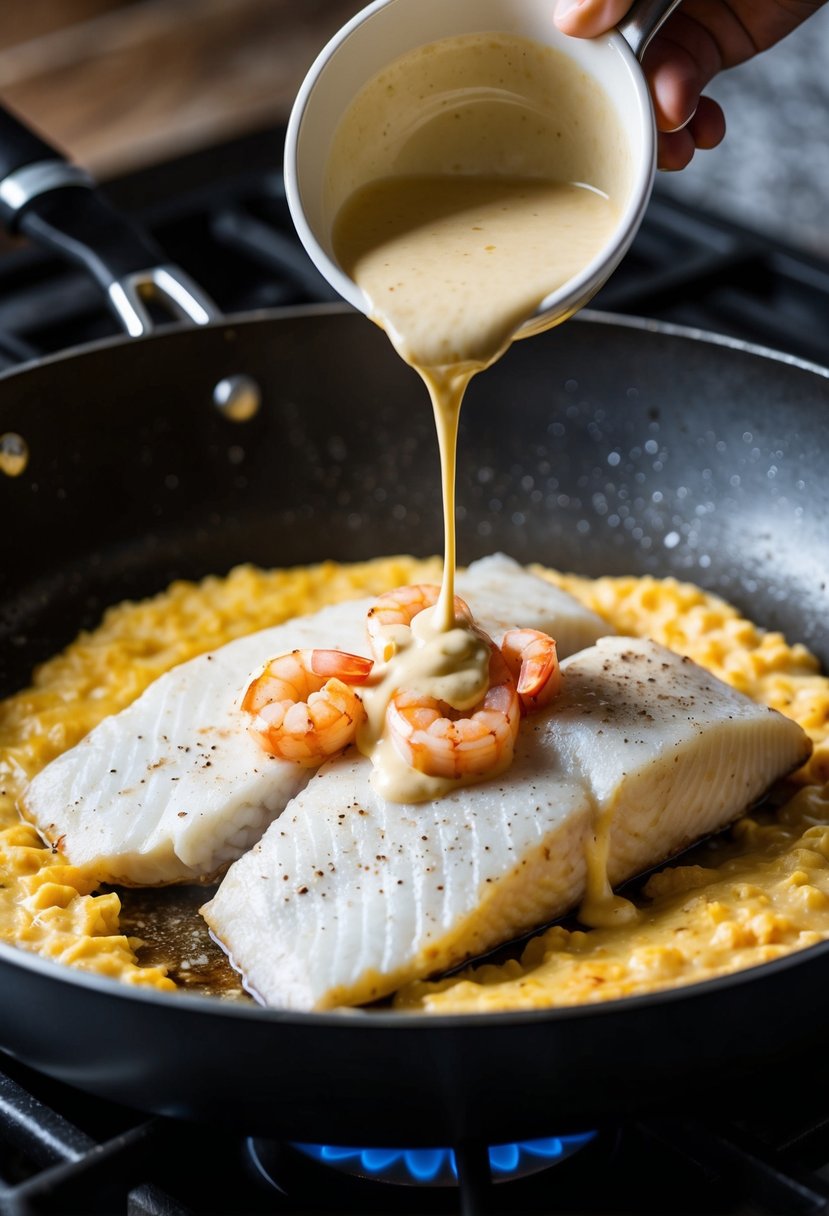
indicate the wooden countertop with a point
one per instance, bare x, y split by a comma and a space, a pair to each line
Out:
121, 84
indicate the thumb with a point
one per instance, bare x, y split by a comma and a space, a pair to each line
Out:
589, 18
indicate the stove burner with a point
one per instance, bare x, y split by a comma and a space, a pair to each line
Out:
438, 1167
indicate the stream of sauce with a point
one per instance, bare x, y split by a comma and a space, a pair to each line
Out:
453, 263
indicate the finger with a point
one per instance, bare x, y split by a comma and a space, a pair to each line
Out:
679, 63
707, 127
589, 18
675, 150
675, 82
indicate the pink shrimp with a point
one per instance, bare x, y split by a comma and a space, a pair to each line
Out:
533, 662
396, 610
472, 747
303, 707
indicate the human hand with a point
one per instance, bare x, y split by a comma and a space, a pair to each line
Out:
700, 39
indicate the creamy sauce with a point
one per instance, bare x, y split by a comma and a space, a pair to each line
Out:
600, 908
451, 664
454, 265
453, 262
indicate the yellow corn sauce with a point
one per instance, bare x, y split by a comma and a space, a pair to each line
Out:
755, 893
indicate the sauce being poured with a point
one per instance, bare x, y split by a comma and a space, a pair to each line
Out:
454, 258
452, 267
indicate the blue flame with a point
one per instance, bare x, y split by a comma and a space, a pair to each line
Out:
425, 1165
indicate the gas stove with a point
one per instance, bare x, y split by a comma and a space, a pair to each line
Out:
63, 1152
221, 215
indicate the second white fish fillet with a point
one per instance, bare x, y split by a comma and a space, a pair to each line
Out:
348, 897
504, 595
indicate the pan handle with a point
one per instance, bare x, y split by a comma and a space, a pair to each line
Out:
58, 206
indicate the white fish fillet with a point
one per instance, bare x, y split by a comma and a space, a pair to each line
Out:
347, 897
505, 596
174, 787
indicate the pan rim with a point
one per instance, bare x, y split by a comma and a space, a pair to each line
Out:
362, 1020
587, 316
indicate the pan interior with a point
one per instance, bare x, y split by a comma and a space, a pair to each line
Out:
600, 447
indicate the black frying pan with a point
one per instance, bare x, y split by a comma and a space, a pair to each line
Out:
603, 447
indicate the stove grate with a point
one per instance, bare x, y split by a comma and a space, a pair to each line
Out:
61, 1151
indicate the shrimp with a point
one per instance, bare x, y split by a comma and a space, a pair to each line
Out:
533, 662
395, 611
303, 707
472, 747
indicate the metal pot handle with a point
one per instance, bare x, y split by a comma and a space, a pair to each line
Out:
58, 206
645, 19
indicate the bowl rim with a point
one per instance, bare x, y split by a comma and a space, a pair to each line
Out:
557, 305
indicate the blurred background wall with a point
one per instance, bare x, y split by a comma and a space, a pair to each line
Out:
772, 171
121, 83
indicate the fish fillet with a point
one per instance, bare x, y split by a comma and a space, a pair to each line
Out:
505, 596
348, 897
174, 787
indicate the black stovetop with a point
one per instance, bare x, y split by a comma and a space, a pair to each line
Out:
61, 1151
221, 215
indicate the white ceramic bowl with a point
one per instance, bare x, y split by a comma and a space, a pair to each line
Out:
389, 29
